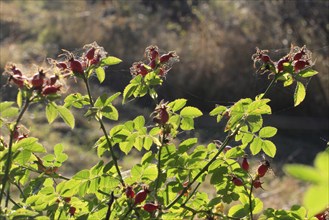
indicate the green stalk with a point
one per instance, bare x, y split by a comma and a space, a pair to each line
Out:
9, 159
115, 160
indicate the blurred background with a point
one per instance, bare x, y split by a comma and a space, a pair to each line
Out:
214, 39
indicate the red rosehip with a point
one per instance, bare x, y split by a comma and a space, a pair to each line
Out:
265, 58
163, 115
299, 65
61, 65
95, 60
299, 55
227, 148
142, 70
22, 136
50, 89
37, 80
141, 196
262, 169
245, 164
67, 199
237, 181
130, 192
257, 183
165, 57
281, 62
18, 80
150, 207
321, 216
76, 66
90, 53
15, 71
72, 210
52, 80
153, 64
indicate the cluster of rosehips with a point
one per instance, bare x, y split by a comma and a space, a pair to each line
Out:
261, 171
159, 64
140, 197
67, 200
39, 82
299, 58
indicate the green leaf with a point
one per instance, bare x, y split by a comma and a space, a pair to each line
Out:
303, 172
218, 110
233, 121
307, 73
19, 99
187, 124
190, 112
58, 149
100, 74
30, 144
267, 132
110, 60
177, 104
316, 199
51, 112
9, 112
259, 107
23, 213
81, 175
150, 172
5, 105
269, 148
255, 122
23, 157
300, 93
238, 211
129, 91
257, 205
187, 144
66, 115
112, 98
256, 145
139, 122
110, 112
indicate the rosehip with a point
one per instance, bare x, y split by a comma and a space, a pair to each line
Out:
76, 66
50, 89
227, 148
18, 80
37, 80
321, 216
150, 207
142, 70
265, 58
22, 136
299, 55
165, 57
95, 60
52, 80
130, 192
16, 71
153, 64
67, 199
245, 164
262, 169
299, 65
72, 210
281, 62
141, 196
237, 181
90, 53
163, 115
61, 65
257, 183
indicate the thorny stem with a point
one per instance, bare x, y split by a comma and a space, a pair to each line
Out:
205, 168
115, 160
108, 214
9, 161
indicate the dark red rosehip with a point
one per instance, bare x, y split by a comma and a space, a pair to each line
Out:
299, 55
90, 53
95, 60
142, 70
257, 183
321, 216
153, 64
67, 199
299, 65
150, 207
16, 71
52, 80
72, 210
141, 196
237, 181
21, 137
76, 66
130, 192
280, 63
245, 164
165, 57
265, 58
61, 65
37, 80
50, 89
18, 80
262, 169
163, 115
154, 54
